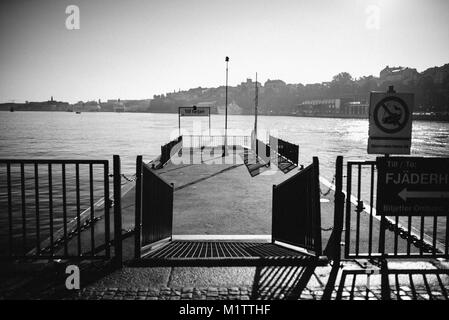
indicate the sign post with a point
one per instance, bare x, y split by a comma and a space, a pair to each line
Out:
390, 122
192, 112
413, 186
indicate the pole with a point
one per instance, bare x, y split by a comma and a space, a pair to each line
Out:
179, 121
226, 109
256, 102
117, 212
138, 209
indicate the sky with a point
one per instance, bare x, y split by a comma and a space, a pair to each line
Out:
137, 48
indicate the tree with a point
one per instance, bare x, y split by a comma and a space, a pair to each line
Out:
342, 78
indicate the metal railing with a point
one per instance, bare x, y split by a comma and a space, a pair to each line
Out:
296, 210
52, 208
369, 235
154, 207
199, 141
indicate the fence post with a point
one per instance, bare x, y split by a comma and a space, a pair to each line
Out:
334, 248
273, 213
138, 209
317, 206
117, 211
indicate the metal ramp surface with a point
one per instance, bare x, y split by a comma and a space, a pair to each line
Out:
185, 252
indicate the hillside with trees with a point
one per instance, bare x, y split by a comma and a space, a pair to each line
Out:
431, 88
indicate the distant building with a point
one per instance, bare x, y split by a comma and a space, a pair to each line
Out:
119, 106
320, 107
355, 108
233, 108
398, 74
338, 108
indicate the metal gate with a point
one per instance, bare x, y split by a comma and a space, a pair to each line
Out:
60, 209
154, 208
296, 210
368, 235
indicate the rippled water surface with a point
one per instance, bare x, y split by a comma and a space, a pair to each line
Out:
100, 135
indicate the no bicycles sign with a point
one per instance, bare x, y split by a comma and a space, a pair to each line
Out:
390, 123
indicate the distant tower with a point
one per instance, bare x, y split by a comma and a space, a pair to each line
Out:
51, 98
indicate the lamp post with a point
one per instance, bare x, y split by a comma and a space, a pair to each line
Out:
225, 151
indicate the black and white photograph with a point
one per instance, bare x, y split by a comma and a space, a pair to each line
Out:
217, 157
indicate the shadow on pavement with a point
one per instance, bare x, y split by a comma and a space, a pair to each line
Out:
394, 284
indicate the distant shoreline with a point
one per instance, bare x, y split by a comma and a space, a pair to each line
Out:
419, 117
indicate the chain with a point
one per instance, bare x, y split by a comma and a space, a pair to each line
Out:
327, 229
404, 234
60, 241
127, 178
329, 190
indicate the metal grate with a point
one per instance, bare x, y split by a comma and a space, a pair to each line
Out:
220, 250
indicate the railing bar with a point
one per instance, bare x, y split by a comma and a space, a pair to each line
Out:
22, 178
370, 231
106, 210
52, 161
348, 209
50, 206
36, 190
64, 208
359, 187
78, 209
434, 239
92, 209
10, 234
421, 235
396, 222
446, 244
409, 229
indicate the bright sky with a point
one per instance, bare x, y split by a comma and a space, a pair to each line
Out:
134, 49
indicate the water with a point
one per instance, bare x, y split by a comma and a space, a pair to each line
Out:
67, 135
100, 135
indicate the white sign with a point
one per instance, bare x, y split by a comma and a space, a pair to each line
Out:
390, 123
194, 111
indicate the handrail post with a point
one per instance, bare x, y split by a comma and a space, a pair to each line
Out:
273, 212
317, 207
333, 248
138, 209
338, 207
117, 212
